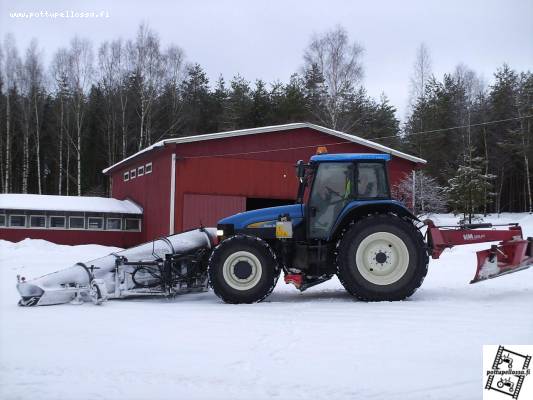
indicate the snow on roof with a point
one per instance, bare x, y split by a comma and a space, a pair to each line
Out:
269, 129
38, 202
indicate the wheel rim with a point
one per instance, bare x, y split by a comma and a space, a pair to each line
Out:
242, 270
382, 258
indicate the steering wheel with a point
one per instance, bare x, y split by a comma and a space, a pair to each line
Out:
333, 192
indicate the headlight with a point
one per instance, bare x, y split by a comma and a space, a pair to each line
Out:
220, 232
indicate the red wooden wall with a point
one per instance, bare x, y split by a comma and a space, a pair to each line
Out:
243, 166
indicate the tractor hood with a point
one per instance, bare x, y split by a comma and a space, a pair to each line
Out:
242, 220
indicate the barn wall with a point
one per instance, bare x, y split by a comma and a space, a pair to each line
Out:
218, 167
150, 191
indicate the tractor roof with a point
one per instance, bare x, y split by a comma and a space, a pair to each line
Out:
349, 157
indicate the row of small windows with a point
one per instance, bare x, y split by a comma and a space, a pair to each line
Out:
138, 172
74, 222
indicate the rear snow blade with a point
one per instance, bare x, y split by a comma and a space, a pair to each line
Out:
502, 260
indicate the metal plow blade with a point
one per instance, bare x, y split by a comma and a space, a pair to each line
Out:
505, 259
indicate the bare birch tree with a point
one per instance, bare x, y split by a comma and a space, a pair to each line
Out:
174, 66
9, 77
59, 74
148, 67
421, 74
80, 74
34, 74
340, 62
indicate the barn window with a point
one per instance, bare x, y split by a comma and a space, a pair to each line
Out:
148, 169
133, 173
57, 222
133, 224
18, 221
2, 220
126, 176
140, 170
113, 224
37, 221
95, 223
76, 222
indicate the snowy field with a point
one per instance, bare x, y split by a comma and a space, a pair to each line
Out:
320, 344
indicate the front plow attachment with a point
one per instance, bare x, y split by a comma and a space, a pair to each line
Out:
166, 266
512, 254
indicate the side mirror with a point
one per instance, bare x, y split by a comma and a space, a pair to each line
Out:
300, 169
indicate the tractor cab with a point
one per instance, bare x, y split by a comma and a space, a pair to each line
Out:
332, 184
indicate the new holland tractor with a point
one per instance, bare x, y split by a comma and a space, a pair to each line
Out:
345, 223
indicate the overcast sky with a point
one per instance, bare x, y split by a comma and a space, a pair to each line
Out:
265, 39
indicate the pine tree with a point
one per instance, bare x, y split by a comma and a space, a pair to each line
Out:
468, 188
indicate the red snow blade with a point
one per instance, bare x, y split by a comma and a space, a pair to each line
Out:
502, 260
513, 253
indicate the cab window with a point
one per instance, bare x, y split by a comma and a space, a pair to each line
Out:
371, 181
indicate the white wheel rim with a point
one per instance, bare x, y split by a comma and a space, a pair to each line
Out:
228, 270
382, 258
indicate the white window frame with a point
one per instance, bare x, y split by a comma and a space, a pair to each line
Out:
133, 173
95, 229
132, 230
140, 171
126, 176
57, 216
5, 220
77, 216
18, 215
108, 218
146, 167
38, 227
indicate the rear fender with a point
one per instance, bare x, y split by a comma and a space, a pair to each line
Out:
358, 209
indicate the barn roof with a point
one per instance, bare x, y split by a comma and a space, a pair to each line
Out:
271, 129
39, 202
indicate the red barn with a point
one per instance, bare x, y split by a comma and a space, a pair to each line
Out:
184, 182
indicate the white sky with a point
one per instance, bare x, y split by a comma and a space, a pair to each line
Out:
265, 39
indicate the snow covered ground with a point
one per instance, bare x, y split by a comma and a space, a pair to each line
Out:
320, 344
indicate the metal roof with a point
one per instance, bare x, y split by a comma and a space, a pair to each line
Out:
349, 157
271, 129
41, 202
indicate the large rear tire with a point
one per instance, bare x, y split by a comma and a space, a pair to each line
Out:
243, 269
382, 258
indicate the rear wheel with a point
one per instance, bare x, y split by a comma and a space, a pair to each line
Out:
382, 257
243, 269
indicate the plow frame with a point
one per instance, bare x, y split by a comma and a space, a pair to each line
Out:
513, 253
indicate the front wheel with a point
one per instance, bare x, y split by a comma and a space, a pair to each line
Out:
382, 257
243, 269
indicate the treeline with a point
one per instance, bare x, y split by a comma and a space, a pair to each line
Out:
475, 136
62, 123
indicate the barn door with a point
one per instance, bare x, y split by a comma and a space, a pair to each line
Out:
208, 209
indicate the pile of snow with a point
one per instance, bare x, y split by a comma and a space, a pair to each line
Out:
320, 344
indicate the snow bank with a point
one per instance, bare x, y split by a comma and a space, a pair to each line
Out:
320, 344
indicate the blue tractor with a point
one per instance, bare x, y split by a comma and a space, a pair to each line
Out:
343, 222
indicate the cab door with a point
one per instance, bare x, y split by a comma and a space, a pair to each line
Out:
332, 189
